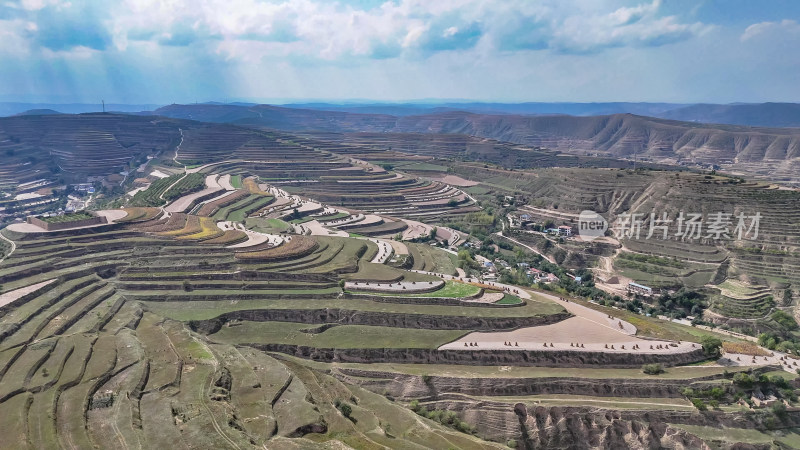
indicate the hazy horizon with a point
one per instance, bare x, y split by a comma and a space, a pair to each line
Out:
146, 52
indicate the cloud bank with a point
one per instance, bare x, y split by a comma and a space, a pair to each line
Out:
387, 50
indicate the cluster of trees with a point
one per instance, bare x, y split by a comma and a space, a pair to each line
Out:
653, 369
774, 383
681, 304
467, 262
782, 335
700, 397
345, 409
444, 417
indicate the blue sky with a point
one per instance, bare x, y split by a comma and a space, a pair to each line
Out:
157, 51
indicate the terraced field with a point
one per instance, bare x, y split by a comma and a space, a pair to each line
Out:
113, 336
769, 259
228, 309
91, 338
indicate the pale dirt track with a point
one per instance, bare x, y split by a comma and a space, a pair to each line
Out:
415, 229
13, 247
519, 292
225, 182
592, 329
16, 294
253, 237
399, 247
183, 203
317, 229
455, 180
112, 215
211, 181
776, 359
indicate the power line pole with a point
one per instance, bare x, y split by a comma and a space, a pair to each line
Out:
104, 105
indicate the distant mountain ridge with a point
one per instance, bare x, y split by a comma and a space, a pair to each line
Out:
38, 112
617, 135
751, 114
14, 108
758, 115
528, 108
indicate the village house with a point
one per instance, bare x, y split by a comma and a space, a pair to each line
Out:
639, 289
537, 276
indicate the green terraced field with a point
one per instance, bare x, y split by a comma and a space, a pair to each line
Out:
203, 310
148, 341
340, 336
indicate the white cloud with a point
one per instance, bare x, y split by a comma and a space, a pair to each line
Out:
757, 29
332, 30
253, 29
35, 5
511, 49
12, 36
634, 26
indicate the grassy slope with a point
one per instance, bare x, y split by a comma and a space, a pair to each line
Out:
342, 336
202, 310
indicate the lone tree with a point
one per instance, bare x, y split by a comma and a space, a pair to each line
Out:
711, 346
652, 369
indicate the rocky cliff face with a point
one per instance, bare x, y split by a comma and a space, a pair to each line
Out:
407, 387
561, 428
567, 427
482, 357
383, 319
619, 135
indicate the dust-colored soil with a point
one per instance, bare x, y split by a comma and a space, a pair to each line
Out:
16, 294
592, 329
183, 203
317, 229
455, 180
225, 182
787, 363
565, 335
399, 247
112, 215
253, 237
403, 287
415, 229
488, 297
211, 181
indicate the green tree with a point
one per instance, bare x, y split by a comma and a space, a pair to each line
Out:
711, 346
744, 380
652, 369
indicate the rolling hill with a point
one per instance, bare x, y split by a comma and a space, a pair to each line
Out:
758, 115
748, 149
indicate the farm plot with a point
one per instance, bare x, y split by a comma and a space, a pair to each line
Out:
189, 183
208, 230
139, 214
294, 247
152, 196
187, 202
340, 336
213, 205
432, 259
16, 294
249, 203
